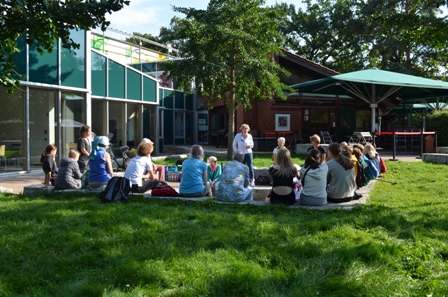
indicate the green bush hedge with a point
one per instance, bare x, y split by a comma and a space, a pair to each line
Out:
438, 121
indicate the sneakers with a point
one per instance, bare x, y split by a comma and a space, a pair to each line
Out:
252, 183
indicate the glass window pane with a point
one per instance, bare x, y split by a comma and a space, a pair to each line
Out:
149, 90
180, 102
189, 102
44, 68
179, 124
73, 62
20, 58
42, 123
189, 123
134, 86
168, 130
133, 125
98, 75
73, 117
99, 125
11, 130
149, 121
116, 80
168, 98
116, 123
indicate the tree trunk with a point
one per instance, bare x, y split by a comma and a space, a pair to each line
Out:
231, 110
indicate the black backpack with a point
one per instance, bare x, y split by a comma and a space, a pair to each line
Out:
117, 189
360, 179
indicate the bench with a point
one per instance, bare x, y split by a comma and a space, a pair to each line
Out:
435, 158
360, 137
38, 189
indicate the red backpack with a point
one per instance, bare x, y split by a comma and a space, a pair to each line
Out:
163, 189
383, 166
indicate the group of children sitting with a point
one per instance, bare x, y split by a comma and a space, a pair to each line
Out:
325, 177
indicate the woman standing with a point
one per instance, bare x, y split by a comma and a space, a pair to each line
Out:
314, 180
244, 143
84, 147
340, 177
194, 175
282, 175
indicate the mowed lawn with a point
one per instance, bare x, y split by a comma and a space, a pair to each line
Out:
395, 245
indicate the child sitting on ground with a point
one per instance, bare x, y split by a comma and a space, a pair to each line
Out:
69, 175
49, 165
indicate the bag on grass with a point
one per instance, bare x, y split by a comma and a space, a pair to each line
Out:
163, 189
263, 180
117, 189
172, 173
383, 167
85, 179
297, 186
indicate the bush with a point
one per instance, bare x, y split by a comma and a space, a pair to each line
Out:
438, 121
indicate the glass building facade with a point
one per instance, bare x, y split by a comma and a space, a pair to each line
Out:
62, 90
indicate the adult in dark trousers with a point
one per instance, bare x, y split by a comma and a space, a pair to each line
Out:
84, 146
243, 142
137, 168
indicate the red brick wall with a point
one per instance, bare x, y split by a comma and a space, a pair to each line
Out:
262, 116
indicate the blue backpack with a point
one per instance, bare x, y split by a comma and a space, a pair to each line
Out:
371, 168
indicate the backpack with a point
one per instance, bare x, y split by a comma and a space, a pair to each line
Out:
163, 189
360, 179
383, 166
372, 170
117, 189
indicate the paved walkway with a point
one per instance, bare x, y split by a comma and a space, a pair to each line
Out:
16, 182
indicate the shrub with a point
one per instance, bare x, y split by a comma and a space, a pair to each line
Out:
438, 121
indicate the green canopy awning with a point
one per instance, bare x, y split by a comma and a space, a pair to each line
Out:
373, 86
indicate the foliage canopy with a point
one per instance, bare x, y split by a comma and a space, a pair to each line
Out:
228, 53
398, 35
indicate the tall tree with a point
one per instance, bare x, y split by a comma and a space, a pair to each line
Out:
408, 36
326, 33
42, 22
228, 52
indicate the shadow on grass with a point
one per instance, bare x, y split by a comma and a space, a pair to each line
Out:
55, 244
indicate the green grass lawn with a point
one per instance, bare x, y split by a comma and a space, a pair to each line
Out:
395, 245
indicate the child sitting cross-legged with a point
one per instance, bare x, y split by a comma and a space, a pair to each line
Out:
69, 175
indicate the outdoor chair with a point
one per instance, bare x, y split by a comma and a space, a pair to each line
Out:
325, 137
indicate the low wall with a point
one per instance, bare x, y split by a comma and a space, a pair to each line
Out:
302, 148
435, 158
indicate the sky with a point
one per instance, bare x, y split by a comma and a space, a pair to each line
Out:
148, 16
